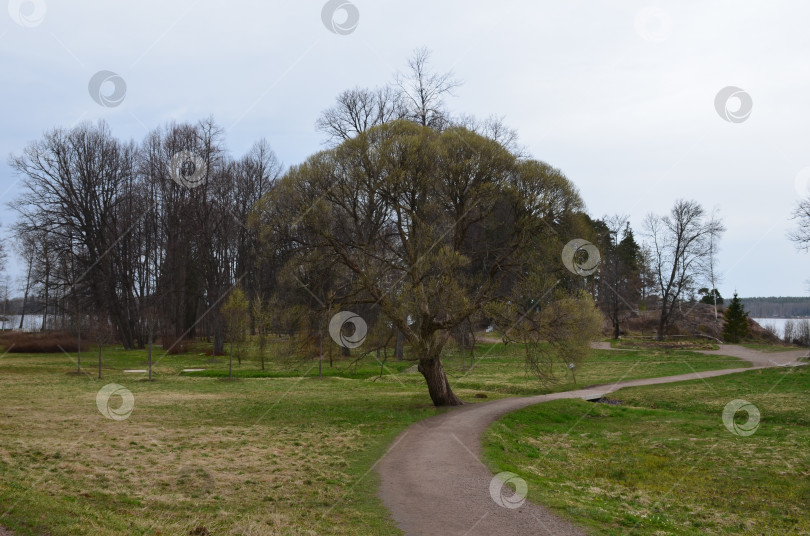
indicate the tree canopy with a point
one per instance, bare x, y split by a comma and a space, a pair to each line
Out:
426, 228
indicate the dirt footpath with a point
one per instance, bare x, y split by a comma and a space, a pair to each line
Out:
433, 482
760, 359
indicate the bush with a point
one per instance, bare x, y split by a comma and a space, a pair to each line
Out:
797, 332
50, 342
790, 331
175, 347
770, 327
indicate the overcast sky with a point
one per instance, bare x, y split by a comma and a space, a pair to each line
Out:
620, 95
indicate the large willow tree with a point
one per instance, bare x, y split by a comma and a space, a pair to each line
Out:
429, 227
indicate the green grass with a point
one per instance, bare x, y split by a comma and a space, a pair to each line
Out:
650, 343
663, 462
273, 452
771, 348
503, 370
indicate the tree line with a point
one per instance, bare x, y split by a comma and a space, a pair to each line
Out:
109, 235
777, 307
426, 225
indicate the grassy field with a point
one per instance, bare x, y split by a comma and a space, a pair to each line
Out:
771, 348
273, 452
663, 461
649, 343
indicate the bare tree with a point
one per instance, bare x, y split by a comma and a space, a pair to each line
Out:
711, 260
422, 90
73, 185
646, 273
3, 254
110, 228
417, 95
494, 128
789, 332
359, 109
2, 270
802, 336
801, 235
190, 243
26, 249
681, 245
252, 177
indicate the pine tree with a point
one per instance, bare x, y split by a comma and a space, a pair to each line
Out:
735, 325
619, 273
629, 251
709, 296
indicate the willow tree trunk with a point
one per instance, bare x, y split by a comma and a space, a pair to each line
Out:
439, 388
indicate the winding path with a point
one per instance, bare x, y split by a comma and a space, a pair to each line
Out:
433, 480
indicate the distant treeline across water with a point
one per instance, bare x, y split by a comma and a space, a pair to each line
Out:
777, 307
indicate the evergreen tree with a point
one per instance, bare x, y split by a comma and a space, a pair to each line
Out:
710, 295
629, 251
735, 325
619, 278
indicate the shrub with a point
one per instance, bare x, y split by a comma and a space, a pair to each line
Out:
50, 342
176, 348
771, 328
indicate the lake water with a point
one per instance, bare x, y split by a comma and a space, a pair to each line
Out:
34, 323
30, 323
779, 323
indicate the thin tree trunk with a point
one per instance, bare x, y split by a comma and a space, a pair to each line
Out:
27, 289
399, 353
662, 322
219, 339
45, 310
230, 363
262, 343
472, 344
150, 352
320, 356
